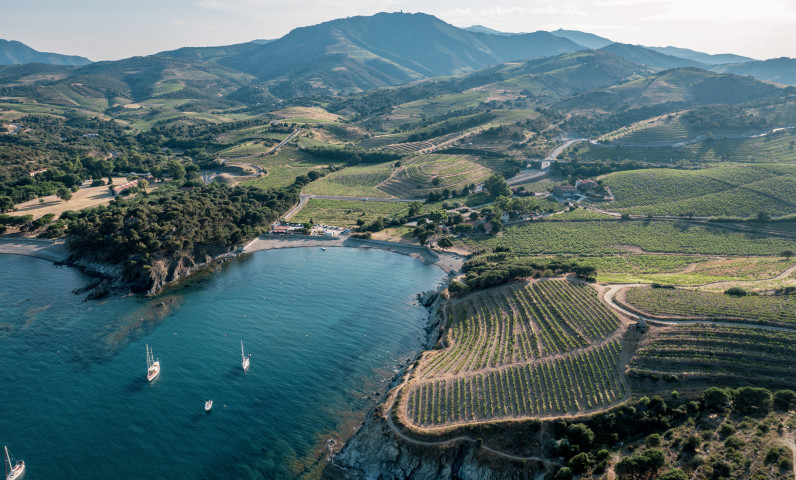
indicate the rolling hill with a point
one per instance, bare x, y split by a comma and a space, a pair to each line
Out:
16, 53
778, 70
647, 56
701, 57
588, 40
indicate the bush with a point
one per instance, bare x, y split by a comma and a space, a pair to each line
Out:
736, 292
784, 400
653, 440
563, 473
691, 443
750, 399
674, 475
734, 442
579, 463
715, 398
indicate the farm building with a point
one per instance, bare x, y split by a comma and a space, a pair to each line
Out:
586, 185
120, 188
563, 191
33, 173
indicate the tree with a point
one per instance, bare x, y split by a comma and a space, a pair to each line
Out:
497, 186
176, 170
643, 465
445, 243
787, 254
784, 400
64, 194
715, 398
415, 208
6, 204
674, 475
142, 184
581, 435
750, 399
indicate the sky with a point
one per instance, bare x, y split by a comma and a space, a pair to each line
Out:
114, 29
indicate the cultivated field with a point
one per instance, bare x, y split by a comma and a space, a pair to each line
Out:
541, 349
733, 190
617, 236
417, 175
719, 355
345, 213
768, 309
359, 181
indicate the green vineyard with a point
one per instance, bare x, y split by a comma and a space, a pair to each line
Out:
732, 190
542, 349
769, 309
735, 355
521, 324
574, 383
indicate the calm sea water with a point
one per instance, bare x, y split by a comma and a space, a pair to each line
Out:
325, 329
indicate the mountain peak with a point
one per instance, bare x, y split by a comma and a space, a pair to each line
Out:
13, 52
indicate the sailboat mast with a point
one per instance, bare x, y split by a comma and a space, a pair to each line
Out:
242, 355
9, 460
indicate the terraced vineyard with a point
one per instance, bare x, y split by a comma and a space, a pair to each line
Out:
453, 172
734, 355
777, 310
727, 190
659, 132
572, 384
546, 348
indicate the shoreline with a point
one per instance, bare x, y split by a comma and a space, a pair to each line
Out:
45, 249
448, 262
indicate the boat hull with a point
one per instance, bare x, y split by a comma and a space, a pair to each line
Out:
17, 472
153, 371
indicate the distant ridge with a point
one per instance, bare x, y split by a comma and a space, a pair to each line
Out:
702, 57
490, 31
588, 40
649, 57
779, 70
17, 53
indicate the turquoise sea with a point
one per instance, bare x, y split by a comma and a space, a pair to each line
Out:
325, 329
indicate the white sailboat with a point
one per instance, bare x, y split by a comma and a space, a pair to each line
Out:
13, 472
152, 365
245, 362
208, 406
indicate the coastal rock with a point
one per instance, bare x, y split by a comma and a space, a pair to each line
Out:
427, 298
375, 452
90, 285
101, 290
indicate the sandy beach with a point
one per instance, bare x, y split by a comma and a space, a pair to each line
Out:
449, 262
54, 251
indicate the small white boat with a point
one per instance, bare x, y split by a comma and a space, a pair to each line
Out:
323, 248
13, 471
152, 365
245, 362
208, 406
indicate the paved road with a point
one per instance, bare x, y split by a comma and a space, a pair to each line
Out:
280, 144
556, 151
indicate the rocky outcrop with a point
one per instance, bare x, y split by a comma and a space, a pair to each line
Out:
375, 452
147, 279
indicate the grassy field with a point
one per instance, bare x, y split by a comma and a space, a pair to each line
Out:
359, 181
769, 309
616, 236
516, 352
718, 354
728, 190
345, 213
283, 167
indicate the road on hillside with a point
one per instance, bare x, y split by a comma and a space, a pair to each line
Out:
280, 144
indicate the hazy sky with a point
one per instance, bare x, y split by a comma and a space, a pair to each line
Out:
113, 29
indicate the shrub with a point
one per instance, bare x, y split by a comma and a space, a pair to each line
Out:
563, 473
653, 440
749, 399
674, 475
715, 398
736, 292
784, 399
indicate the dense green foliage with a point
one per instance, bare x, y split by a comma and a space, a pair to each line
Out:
205, 221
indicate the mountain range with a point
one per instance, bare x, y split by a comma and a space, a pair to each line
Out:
363, 53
